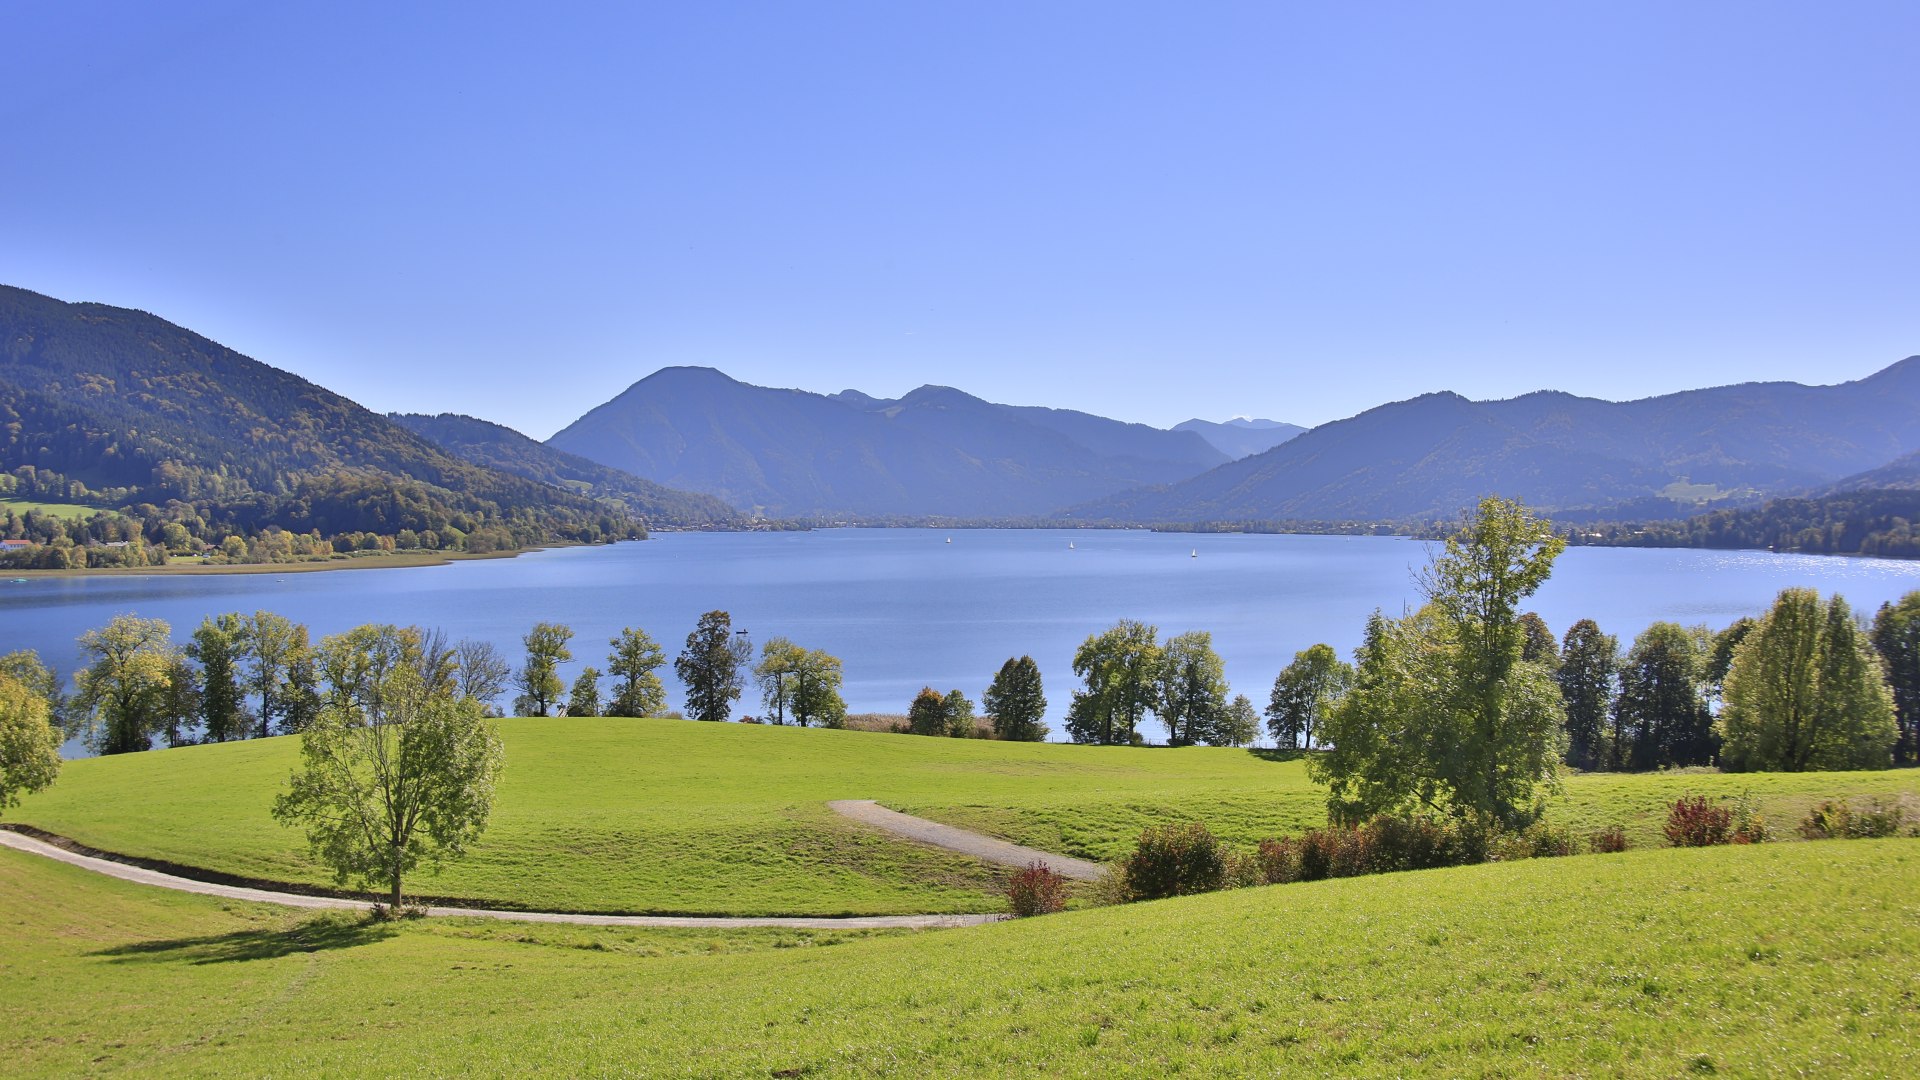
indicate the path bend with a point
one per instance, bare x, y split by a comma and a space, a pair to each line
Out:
964, 841
143, 876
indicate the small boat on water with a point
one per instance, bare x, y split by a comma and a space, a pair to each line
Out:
1195, 555
1069, 545
949, 539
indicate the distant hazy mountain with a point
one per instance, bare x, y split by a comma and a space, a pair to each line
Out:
1438, 453
936, 451
1241, 436
146, 411
502, 448
1902, 473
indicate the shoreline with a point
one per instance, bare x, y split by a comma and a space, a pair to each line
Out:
384, 561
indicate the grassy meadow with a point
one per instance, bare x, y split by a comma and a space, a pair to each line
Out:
673, 817
1783, 959
71, 511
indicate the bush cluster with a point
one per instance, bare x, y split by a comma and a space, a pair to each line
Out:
1692, 821
1835, 820
1609, 840
1037, 890
1175, 860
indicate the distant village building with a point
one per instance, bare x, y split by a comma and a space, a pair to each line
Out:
16, 545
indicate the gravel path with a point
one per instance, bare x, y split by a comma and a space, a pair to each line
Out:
143, 876
963, 841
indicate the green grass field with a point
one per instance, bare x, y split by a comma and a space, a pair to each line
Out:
670, 816
1785, 959
75, 511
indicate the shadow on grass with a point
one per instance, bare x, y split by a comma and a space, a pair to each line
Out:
1270, 754
315, 935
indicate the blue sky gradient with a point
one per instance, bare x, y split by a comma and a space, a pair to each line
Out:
1147, 211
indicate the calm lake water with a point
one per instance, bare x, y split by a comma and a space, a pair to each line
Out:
905, 608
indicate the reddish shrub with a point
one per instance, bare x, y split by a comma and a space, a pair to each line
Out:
1175, 860
1692, 821
1335, 851
1279, 861
1611, 839
1036, 890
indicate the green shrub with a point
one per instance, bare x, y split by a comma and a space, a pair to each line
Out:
1037, 890
1175, 860
1412, 843
1543, 841
1835, 820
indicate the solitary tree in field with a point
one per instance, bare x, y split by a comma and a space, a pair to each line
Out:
1588, 660
635, 665
585, 698
1807, 692
1304, 694
29, 743
378, 793
1119, 670
539, 680
1661, 718
1016, 701
712, 667
122, 690
1445, 713
777, 673
1192, 695
1896, 635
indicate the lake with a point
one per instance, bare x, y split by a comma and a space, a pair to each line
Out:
906, 608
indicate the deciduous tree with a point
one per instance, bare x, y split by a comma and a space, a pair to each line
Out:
1588, 662
220, 648
1241, 726
380, 793
121, 692
1896, 636
635, 665
584, 700
1661, 718
1445, 714
1305, 693
29, 743
1118, 669
539, 680
1191, 698
483, 671
1806, 692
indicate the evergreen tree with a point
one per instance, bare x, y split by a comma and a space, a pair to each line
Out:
1896, 636
1661, 718
712, 667
1589, 660
1016, 701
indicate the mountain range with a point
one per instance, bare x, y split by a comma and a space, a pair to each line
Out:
120, 408
934, 452
1435, 454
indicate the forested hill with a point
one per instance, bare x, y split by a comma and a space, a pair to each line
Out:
1877, 522
498, 447
1438, 453
124, 409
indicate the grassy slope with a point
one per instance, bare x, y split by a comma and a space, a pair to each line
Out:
76, 511
1777, 960
672, 816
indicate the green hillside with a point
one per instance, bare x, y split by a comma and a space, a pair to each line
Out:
1787, 959
676, 817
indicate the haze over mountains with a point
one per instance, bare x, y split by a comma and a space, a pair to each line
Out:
1242, 436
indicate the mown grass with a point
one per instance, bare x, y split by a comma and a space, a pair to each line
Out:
72, 511
1785, 959
677, 817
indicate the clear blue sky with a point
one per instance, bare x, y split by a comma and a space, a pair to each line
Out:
1148, 211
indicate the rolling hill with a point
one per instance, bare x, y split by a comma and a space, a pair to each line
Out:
935, 451
1433, 455
501, 448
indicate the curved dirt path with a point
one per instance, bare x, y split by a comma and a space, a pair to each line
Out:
142, 876
963, 841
